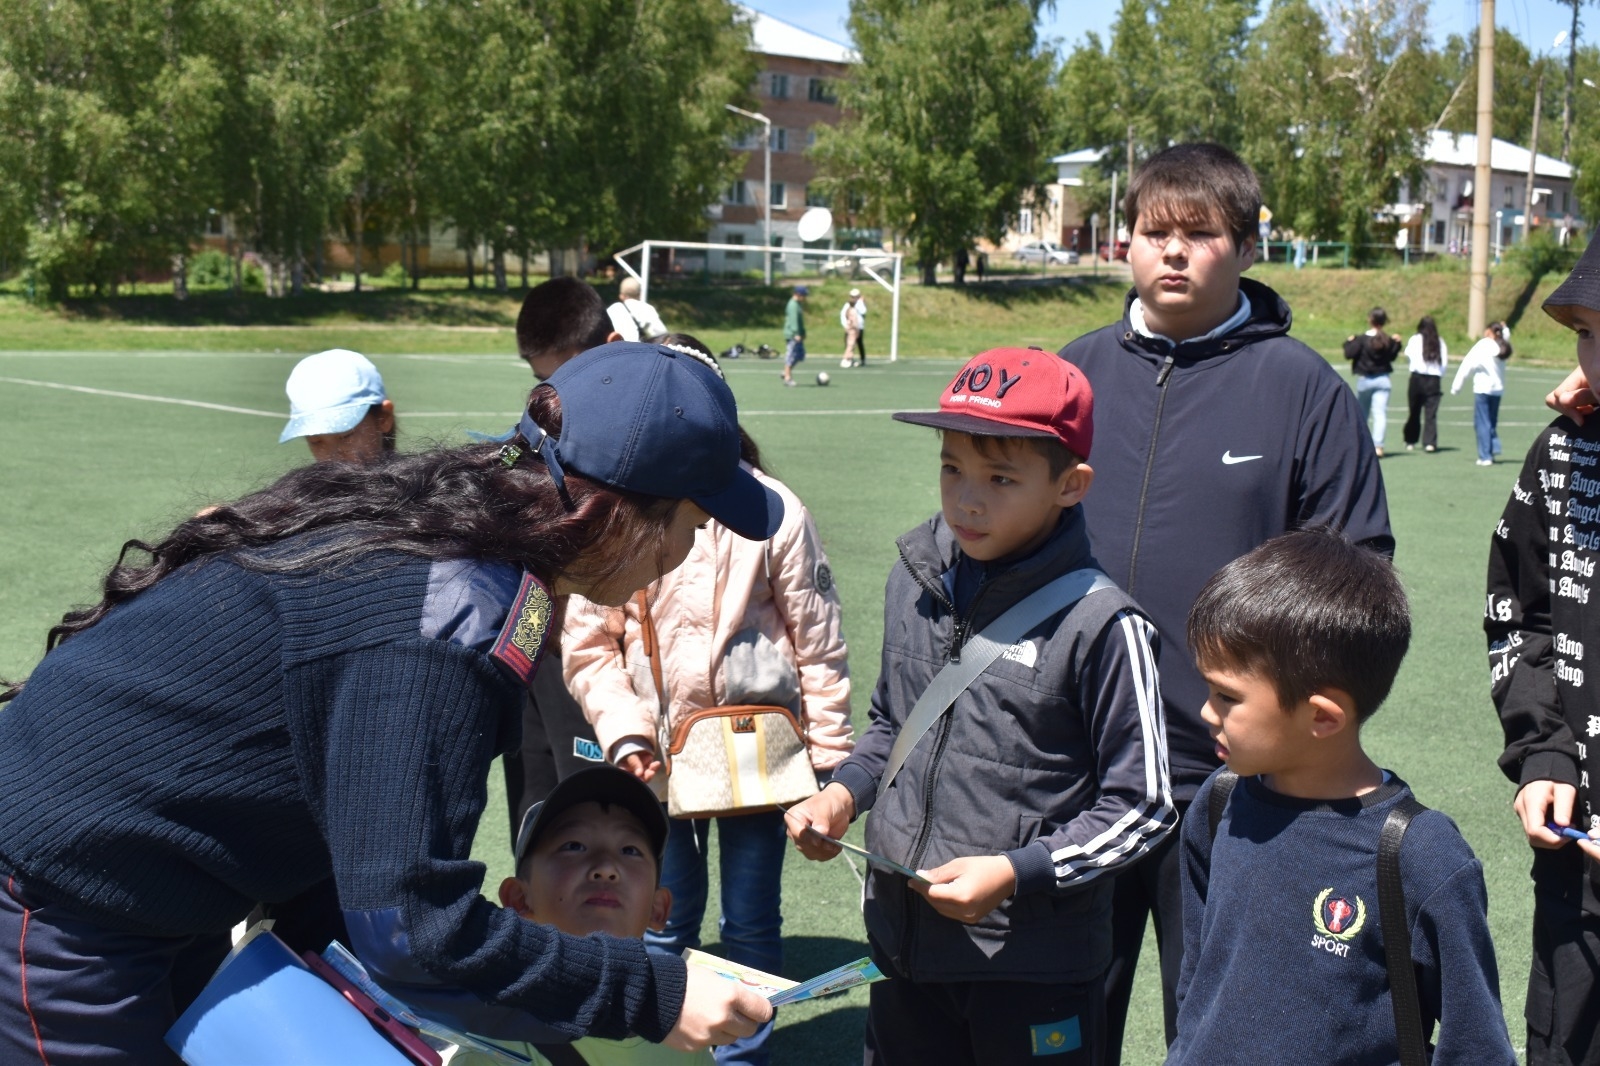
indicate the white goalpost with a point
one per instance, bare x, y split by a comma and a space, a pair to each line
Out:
642, 274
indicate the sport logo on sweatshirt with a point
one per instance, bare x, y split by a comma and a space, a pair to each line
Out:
1337, 921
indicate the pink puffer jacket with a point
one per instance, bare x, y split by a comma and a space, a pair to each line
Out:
739, 622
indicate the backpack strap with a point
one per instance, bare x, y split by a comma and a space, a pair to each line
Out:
1217, 802
1397, 935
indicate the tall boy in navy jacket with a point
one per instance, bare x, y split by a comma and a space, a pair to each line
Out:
1220, 432
1046, 775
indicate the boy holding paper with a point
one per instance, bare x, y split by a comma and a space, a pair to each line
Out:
1033, 770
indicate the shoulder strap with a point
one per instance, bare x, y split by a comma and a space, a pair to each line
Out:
561, 1054
1397, 935
652, 646
983, 649
1217, 802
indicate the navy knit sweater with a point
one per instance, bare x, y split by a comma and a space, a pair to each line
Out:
231, 736
1283, 948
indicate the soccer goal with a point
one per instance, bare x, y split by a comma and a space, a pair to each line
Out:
871, 269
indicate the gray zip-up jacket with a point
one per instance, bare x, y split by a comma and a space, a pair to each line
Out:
1055, 757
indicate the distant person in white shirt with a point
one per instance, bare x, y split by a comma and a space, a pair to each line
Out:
853, 320
1485, 364
1428, 356
631, 317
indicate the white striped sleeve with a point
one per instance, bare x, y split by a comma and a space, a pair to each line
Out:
1120, 696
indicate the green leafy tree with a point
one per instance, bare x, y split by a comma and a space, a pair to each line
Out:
947, 120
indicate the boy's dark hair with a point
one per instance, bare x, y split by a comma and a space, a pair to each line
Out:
1306, 610
564, 315
1378, 317
1197, 184
1058, 455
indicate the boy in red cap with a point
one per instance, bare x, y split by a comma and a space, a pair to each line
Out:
1015, 756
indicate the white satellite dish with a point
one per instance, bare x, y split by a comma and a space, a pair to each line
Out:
815, 224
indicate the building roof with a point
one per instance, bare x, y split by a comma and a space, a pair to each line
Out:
1461, 150
775, 37
1081, 156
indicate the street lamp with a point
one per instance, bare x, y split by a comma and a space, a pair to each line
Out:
766, 197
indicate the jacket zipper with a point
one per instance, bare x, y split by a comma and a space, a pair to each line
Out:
1149, 467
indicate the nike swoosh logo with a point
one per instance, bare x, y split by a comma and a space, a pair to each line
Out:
1229, 458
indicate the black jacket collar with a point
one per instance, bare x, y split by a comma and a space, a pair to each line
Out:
1269, 317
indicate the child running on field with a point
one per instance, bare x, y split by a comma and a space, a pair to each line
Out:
1539, 623
1033, 781
1285, 924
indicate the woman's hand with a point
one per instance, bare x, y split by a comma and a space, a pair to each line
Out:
968, 888
716, 1011
829, 812
1572, 397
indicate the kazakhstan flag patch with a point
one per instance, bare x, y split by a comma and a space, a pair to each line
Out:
1057, 1038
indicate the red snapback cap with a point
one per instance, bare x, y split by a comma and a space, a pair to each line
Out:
1016, 392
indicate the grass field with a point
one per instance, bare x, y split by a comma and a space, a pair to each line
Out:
102, 445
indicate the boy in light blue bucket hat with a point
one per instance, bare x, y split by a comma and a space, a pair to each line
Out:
337, 403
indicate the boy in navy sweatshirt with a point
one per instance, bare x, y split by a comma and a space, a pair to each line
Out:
1044, 776
1284, 958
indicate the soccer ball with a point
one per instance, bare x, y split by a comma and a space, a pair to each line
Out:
822, 377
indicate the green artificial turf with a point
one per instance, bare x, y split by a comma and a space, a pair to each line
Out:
82, 471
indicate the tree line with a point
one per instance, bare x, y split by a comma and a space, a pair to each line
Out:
957, 107
127, 126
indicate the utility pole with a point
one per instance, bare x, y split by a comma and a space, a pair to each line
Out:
1533, 159
1478, 289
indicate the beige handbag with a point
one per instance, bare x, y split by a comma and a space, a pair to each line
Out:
728, 760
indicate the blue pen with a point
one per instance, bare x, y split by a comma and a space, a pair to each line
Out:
1567, 831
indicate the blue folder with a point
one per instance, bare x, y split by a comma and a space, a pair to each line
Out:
266, 1008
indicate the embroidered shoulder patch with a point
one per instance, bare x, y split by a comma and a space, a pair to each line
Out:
522, 638
824, 578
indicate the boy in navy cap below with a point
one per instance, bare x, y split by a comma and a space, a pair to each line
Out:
589, 861
1288, 916
1542, 560
1035, 778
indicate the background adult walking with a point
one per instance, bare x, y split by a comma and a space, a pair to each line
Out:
852, 319
1372, 355
740, 624
1428, 356
1485, 364
313, 681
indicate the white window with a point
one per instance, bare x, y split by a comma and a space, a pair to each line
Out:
818, 91
734, 238
1025, 220
780, 140
778, 86
738, 193
811, 138
1509, 202
779, 195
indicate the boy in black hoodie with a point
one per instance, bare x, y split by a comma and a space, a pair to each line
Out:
1220, 432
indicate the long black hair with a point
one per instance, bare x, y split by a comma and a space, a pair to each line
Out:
1428, 330
478, 501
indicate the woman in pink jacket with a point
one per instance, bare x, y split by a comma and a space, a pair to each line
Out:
739, 622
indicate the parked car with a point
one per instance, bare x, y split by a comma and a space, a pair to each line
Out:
1038, 251
1122, 251
851, 265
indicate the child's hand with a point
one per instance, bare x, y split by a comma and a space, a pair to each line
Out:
1572, 397
830, 811
968, 888
641, 764
1539, 802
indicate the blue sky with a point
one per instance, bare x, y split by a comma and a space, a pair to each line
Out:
1535, 21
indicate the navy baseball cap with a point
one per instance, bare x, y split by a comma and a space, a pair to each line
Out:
601, 784
649, 419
